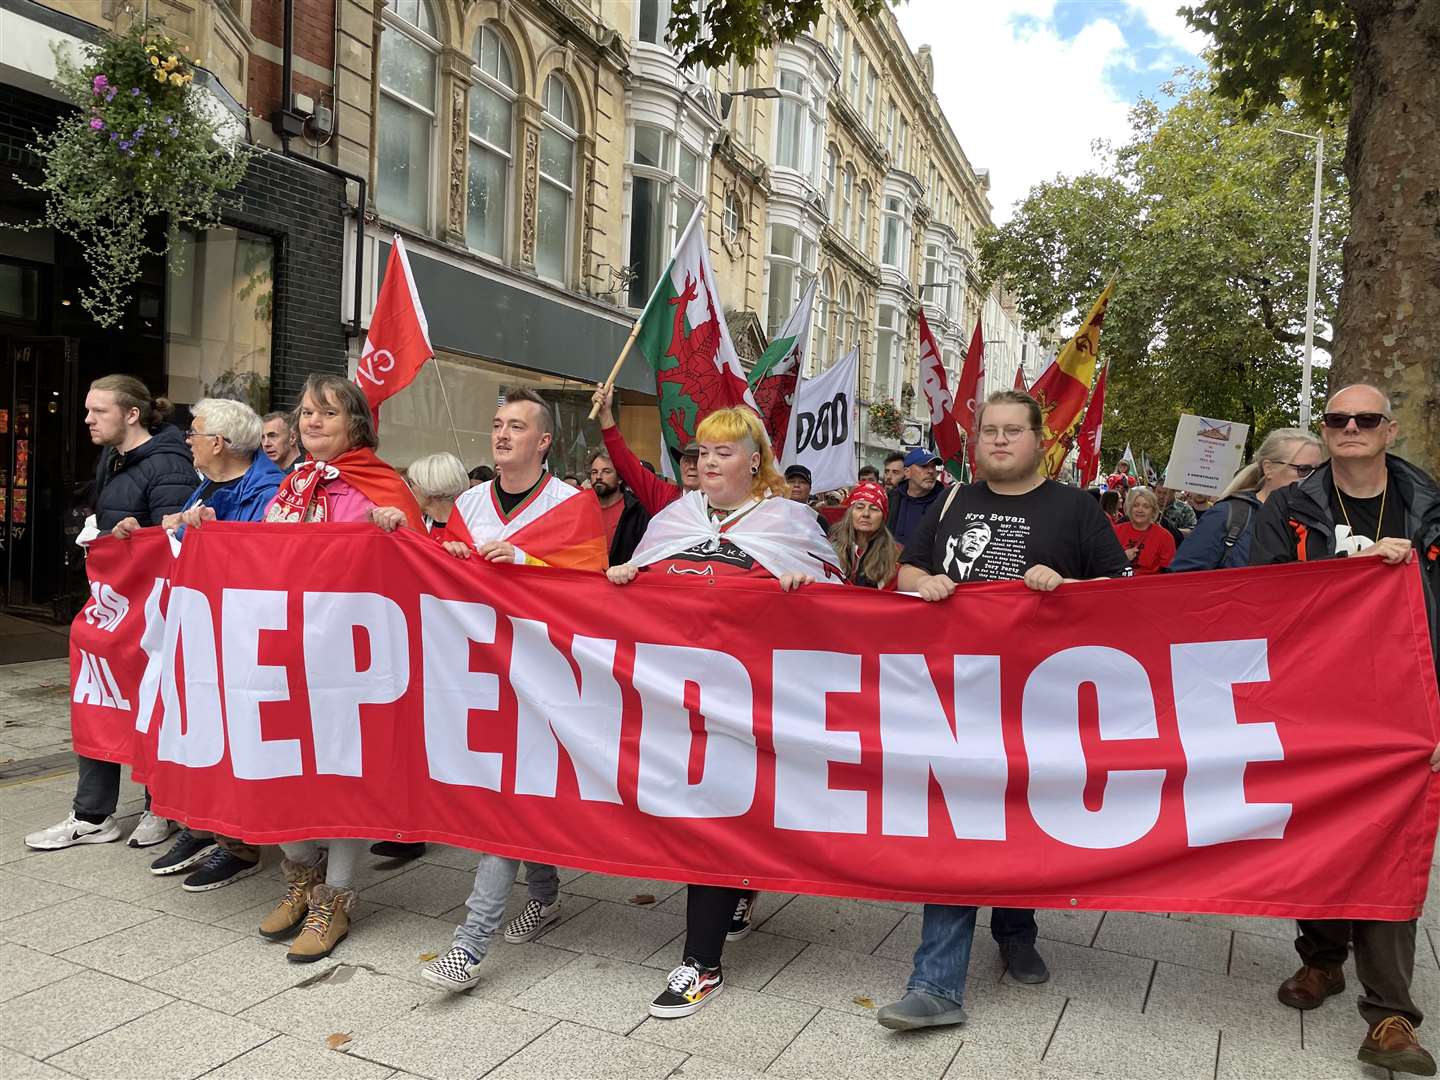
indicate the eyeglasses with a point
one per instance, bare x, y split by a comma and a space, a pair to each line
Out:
1010, 431
193, 434
1365, 421
1301, 471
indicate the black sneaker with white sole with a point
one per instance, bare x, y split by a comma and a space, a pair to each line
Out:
740, 922
187, 850
220, 869
687, 988
533, 918
456, 970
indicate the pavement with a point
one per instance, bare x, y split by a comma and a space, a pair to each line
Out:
107, 971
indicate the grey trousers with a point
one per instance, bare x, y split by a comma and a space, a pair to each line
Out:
485, 906
1384, 961
97, 789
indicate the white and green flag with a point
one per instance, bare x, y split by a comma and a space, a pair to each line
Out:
775, 374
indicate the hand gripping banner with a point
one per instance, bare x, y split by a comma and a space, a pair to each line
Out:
1249, 742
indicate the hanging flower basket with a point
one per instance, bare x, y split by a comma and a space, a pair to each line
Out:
885, 419
142, 147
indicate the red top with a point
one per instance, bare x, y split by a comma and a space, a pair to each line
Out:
702, 566
654, 492
611, 516
1157, 546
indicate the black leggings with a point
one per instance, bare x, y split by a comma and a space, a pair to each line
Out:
708, 911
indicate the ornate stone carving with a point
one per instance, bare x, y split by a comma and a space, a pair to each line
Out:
458, 171
587, 192
532, 181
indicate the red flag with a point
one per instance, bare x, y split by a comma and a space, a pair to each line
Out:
1020, 383
943, 423
1088, 465
571, 534
399, 339
972, 378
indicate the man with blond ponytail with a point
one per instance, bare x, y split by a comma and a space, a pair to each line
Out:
145, 472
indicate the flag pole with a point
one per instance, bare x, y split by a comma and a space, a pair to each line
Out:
454, 433
619, 360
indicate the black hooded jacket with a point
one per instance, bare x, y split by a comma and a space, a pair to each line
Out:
1296, 524
628, 533
154, 479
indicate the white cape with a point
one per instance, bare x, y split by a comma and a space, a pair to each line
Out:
781, 535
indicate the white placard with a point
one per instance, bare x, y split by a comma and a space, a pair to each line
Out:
1206, 454
823, 423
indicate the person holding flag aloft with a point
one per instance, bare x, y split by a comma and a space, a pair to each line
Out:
739, 524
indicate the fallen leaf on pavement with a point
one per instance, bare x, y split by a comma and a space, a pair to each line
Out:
642, 899
339, 1039
864, 1003
426, 957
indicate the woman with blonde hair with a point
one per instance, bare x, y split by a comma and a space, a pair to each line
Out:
1221, 538
740, 522
868, 553
1148, 544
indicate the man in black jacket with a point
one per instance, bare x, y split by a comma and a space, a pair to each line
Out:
912, 497
145, 472
1362, 502
625, 518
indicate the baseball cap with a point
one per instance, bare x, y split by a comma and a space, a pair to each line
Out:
692, 449
921, 456
798, 470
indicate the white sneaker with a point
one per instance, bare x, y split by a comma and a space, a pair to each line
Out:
73, 831
456, 971
151, 830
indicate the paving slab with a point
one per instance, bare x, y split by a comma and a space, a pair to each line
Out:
65, 1013
1264, 959
1172, 940
1229, 1003
287, 1058
238, 976
23, 970
177, 1042
1245, 1057
150, 948
597, 992
697, 1067
424, 888
840, 980
621, 890
114, 870
737, 1026
74, 922
848, 1047
571, 1050
1114, 979
843, 924
450, 1038
347, 999
1095, 1041
16, 1066
619, 931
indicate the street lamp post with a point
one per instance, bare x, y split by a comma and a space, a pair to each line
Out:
1319, 141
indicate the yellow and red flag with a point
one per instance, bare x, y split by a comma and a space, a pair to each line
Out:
1062, 389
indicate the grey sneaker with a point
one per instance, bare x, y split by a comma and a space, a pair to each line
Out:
918, 1009
1024, 963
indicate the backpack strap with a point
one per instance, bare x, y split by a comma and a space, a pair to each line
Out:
1237, 517
954, 490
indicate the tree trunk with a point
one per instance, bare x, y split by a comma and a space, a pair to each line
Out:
1388, 328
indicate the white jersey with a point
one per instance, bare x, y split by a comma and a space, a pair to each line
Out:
479, 508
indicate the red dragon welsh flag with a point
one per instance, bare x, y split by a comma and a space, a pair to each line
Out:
684, 338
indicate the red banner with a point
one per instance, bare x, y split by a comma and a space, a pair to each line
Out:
1244, 741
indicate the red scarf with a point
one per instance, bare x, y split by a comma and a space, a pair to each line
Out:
302, 496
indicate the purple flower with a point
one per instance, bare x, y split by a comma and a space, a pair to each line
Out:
110, 94
135, 91
157, 153
125, 144
96, 124
114, 136
139, 131
99, 83
167, 120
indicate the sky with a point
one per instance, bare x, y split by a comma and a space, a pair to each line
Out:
1028, 85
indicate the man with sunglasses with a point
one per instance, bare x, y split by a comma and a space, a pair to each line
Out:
1362, 502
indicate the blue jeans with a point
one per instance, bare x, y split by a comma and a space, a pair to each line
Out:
485, 906
943, 958
1013, 926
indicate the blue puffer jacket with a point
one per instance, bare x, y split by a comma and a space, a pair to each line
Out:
247, 500
1204, 548
147, 483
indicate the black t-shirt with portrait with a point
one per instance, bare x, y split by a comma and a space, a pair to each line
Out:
989, 537
1363, 515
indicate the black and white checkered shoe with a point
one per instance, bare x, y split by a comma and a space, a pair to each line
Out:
455, 971
533, 918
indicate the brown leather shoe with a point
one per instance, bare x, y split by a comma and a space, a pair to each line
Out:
1310, 986
1392, 1044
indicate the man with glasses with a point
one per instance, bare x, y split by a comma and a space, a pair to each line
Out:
1014, 524
1363, 502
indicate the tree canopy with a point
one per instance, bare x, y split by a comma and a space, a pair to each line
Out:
714, 32
1202, 219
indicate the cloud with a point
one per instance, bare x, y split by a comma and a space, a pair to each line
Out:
1164, 18
1024, 101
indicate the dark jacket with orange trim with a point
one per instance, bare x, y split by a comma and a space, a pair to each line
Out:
1296, 524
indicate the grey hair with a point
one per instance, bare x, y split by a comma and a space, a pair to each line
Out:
1273, 448
1140, 491
438, 476
235, 420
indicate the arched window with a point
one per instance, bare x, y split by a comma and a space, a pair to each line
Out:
408, 51
842, 322
847, 200
831, 170
557, 182
733, 215
492, 134
863, 212
820, 348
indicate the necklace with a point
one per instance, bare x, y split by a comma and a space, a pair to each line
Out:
1379, 518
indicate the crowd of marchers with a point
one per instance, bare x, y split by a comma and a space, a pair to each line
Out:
732, 514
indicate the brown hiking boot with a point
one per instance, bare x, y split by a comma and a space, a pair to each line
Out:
325, 926
287, 916
1392, 1044
1310, 986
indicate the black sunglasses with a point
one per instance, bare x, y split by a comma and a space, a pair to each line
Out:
1301, 471
1365, 421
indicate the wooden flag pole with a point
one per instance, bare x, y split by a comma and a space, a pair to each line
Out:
619, 360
